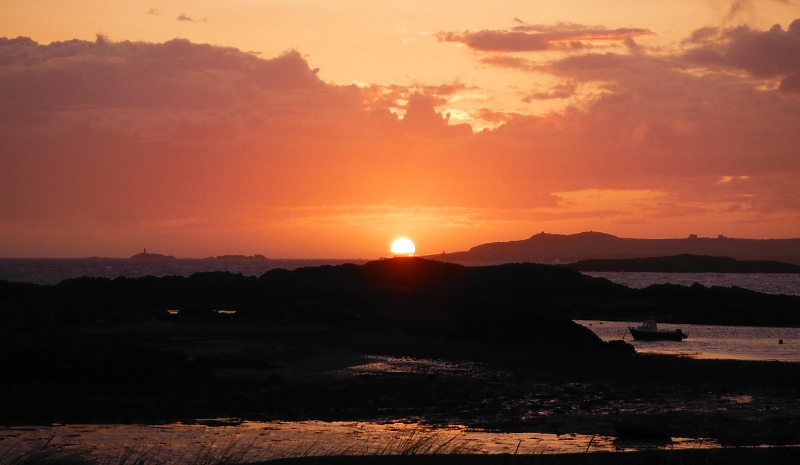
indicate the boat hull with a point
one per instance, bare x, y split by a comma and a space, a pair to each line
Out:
640, 335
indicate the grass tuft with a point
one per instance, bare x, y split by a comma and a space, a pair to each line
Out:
409, 446
42, 453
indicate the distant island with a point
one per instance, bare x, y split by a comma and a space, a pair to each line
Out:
151, 256
238, 257
157, 256
560, 248
685, 263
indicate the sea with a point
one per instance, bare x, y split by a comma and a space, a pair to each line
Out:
710, 341
769, 283
54, 270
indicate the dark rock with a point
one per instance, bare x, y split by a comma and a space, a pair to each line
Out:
621, 346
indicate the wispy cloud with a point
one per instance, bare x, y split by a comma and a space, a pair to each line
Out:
184, 17
537, 37
507, 61
560, 91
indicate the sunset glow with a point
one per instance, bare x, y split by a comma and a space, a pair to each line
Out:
209, 128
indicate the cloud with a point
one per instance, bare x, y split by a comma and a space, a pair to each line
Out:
702, 35
739, 7
130, 131
689, 123
395, 97
560, 91
774, 53
493, 116
656, 124
184, 17
137, 75
506, 61
527, 38
790, 84
740, 10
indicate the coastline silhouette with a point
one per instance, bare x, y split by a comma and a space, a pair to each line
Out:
559, 248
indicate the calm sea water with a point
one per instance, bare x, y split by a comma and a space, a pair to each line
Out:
54, 270
711, 342
770, 283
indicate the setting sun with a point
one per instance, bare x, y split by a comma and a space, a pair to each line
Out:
403, 246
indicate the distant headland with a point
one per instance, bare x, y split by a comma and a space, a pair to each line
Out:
560, 248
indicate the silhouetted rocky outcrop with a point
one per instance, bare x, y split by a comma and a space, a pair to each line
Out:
520, 303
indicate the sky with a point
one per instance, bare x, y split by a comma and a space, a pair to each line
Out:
327, 129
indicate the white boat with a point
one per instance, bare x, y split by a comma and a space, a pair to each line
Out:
649, 331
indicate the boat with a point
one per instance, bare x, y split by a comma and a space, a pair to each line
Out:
649, 331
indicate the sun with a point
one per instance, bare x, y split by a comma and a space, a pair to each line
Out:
403, 246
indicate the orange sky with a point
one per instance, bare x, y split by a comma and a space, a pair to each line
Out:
330, 128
